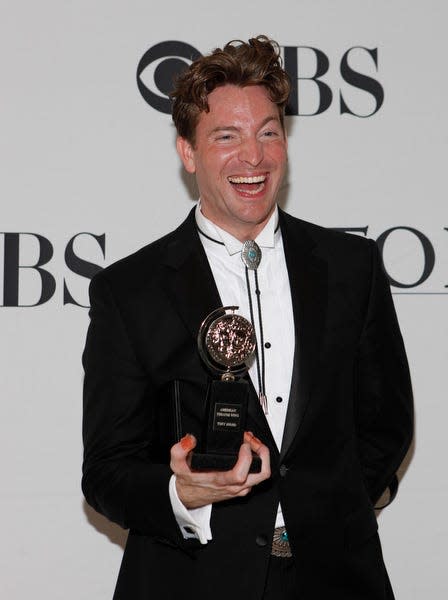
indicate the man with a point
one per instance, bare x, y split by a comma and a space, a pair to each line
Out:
330, 409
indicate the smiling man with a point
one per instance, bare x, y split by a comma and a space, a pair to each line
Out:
239, 158
330, 406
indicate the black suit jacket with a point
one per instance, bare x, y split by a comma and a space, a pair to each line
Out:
348, 426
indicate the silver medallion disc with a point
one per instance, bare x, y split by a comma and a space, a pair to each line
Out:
251, 254
230, 340
226, 341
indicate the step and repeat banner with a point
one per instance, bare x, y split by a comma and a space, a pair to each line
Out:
90, 174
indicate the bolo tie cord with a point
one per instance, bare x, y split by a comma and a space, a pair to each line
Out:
260, 360
259, 356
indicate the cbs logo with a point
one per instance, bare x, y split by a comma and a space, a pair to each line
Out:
348, 82
163, 62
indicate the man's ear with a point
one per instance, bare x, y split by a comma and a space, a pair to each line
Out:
186, 153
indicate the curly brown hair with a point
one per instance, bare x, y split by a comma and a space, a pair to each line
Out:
256, 62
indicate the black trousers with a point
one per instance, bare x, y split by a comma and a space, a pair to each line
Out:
281, 582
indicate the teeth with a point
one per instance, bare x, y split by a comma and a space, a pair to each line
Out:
257, 179
256, 190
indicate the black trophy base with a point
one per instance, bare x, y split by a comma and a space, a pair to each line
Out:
220, 462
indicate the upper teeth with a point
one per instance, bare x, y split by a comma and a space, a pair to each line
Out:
257, 179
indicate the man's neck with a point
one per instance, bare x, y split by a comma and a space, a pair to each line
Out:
242, 231
266, 238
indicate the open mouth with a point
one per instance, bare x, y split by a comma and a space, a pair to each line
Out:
248, 185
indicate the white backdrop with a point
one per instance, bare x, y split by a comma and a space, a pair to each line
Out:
81, 151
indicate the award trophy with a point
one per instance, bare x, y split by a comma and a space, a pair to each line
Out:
226, 341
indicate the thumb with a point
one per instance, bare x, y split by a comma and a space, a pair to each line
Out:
180, 450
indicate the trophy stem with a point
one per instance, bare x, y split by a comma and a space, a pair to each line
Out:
228, 376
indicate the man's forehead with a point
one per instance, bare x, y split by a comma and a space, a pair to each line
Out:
240, 94
230, 104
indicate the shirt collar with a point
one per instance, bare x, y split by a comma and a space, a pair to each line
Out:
267, 237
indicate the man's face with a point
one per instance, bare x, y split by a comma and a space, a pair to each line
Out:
239, 158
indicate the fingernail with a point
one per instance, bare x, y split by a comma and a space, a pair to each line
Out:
187, 442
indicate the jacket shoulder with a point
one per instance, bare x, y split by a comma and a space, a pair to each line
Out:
135, 271
328, 240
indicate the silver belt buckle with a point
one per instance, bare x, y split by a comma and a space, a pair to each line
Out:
280, 543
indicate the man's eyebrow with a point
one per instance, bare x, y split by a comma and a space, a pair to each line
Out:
268, 119
237, 129
224, 128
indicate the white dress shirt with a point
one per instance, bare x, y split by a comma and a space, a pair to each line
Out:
278, 329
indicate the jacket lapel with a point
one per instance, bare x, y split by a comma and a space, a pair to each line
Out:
188, 278
309, 288
189, 282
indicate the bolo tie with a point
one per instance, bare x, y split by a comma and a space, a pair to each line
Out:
251, 256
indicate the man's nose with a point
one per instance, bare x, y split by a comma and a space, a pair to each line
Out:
251, 151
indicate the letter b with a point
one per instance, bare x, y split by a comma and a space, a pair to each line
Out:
325, 94
12, 269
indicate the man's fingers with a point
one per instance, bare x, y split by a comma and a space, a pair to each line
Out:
188, 442
244, 491
180, 451
254, 442
196, 488
236, 477
262, 451
264, 454
239, 475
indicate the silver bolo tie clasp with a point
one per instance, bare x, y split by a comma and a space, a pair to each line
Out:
251, 254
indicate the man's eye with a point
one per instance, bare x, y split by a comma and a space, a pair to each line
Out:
225, 137
269, 134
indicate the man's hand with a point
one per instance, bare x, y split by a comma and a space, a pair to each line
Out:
196, 488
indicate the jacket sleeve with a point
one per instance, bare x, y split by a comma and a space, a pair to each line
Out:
120, 478
384, 406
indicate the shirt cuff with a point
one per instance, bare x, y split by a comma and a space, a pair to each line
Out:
193, 523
